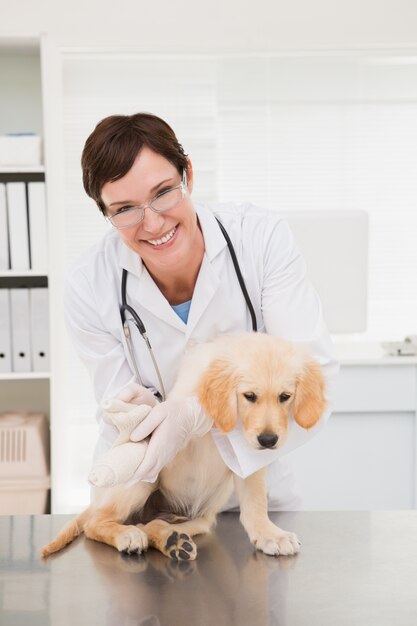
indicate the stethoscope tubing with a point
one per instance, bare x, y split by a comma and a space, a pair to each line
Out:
127, 309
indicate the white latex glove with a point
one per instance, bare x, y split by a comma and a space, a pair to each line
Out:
119, 464
171, 423
125, 416
136, 394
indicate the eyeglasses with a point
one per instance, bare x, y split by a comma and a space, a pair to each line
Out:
162, 202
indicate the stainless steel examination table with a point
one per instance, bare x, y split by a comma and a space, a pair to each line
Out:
354, 569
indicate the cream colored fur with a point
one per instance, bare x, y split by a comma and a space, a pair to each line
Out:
264, 380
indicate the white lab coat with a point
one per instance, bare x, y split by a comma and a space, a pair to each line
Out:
284, 300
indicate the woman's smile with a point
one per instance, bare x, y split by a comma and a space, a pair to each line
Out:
166, 240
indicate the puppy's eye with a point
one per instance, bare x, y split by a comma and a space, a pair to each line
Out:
252, 397
283, 397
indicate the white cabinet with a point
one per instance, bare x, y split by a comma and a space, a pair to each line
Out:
365, 457
21, 112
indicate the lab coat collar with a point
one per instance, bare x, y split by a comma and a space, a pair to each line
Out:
145, 290
129, 260
214, 240
208, 279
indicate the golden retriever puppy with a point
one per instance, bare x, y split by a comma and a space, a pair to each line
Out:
262, 381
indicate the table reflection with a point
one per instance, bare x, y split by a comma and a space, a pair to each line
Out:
229, 583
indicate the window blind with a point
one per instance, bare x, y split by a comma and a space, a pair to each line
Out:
325, 132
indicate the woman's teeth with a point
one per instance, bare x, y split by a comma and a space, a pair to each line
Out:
167, 237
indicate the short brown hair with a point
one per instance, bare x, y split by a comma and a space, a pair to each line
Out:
114, 144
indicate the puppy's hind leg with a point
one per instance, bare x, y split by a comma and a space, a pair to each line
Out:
175, 540
105, 526
106, 522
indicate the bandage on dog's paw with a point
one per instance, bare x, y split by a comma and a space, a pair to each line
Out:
118, 465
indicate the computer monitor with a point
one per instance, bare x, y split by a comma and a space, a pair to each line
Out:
335, 247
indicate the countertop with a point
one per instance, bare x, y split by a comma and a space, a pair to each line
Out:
355, 568
368, 353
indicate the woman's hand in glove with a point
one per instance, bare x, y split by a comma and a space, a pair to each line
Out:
137, 394
170, 424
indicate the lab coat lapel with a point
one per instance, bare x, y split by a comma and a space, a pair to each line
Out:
152, 299
207, 284
208, 280
141, 288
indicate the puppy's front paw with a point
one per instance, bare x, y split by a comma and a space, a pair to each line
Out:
277, 542
132, 540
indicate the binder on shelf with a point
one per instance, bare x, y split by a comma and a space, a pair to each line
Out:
38, 227
5, 333
4, 231
18, 226
39, 328
20, 322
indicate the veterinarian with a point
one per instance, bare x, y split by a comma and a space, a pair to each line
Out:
182, 281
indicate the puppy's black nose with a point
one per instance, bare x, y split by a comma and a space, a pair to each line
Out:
267, 440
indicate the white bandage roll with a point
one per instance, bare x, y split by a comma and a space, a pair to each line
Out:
117, 465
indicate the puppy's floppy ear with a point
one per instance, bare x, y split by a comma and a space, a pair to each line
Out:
309, 402
217, 393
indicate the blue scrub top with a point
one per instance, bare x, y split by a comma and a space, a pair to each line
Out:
183, 310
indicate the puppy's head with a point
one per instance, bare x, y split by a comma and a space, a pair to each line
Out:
263, 380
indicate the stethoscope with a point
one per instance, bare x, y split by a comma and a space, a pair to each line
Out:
125, 308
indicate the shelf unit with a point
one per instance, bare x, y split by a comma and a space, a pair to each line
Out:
15, 274
21, 110
25, 376
39, 169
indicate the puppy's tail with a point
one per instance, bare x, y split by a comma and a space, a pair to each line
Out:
73, 529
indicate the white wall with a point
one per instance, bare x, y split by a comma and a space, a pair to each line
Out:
220, 25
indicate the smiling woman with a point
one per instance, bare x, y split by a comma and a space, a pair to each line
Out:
168, 241
138, 173
183, 287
